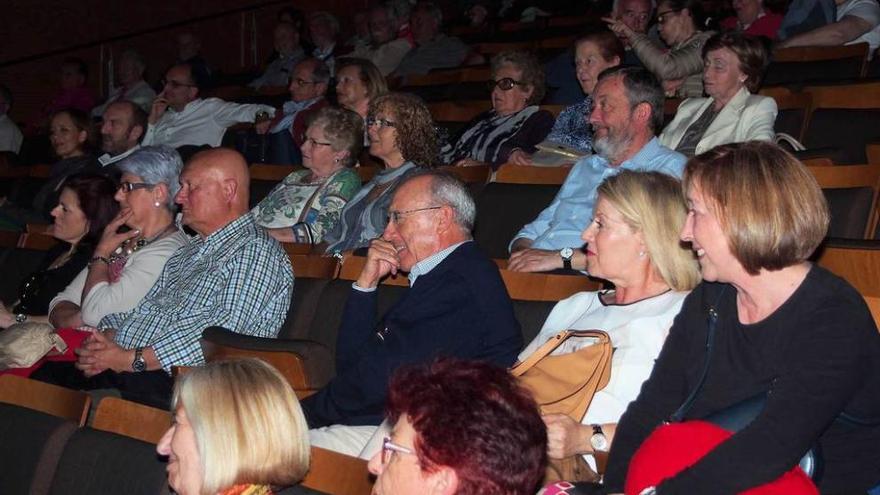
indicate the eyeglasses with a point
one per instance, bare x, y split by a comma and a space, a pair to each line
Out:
664, 16
371, 121
312, 142
395, 216
302, 82
175, 84
389, 447
505, 84
128, 187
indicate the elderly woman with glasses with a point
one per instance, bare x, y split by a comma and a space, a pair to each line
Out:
126, 263
515, 121
401, 136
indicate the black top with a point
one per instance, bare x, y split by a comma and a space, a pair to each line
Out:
38, 290
818, 354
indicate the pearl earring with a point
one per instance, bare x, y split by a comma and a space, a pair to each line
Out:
641, 254
157, 204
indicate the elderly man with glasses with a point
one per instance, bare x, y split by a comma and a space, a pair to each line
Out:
180, 117
456, 306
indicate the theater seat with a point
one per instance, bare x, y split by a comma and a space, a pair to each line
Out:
32, 443
503, 209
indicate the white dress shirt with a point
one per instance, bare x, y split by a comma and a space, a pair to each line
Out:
201, 122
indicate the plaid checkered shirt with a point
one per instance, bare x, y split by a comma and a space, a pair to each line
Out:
237, 277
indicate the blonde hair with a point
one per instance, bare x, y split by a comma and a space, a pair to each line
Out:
651, 203
248, 424
768, 204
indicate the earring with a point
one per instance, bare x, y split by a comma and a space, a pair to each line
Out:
641, 254
157, 204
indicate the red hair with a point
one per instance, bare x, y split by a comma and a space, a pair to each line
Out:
472, 417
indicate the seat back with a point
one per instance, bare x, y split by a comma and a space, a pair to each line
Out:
44, 397
851, 191
339, 474
32, 445
99, 462
131, 419
794, 111
799, 65
264, 178
856, 261
18, 264
843, 119
503, 209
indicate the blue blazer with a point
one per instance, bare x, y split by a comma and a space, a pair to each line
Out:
460, 308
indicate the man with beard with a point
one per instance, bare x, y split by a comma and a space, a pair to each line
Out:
122, 128
627, 114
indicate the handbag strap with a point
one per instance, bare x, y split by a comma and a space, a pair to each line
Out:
551, 345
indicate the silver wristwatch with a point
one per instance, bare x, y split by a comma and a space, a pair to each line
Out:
651, 490
139, 364
598, 440
566, 254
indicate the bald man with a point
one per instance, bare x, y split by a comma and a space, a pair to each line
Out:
231, 274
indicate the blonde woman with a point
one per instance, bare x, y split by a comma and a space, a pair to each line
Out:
238, 430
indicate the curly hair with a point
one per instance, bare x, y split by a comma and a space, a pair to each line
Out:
532, 72
416, 137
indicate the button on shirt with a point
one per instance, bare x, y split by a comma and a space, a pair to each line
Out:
237, 277
561, 224
201, 122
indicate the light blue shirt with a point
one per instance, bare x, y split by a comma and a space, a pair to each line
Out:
561, 224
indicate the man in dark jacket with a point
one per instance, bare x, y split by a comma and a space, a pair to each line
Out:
456, 306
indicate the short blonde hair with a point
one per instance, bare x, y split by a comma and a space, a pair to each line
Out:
768, 204
651, 203
248, 424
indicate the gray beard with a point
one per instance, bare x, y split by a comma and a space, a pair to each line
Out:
611, 148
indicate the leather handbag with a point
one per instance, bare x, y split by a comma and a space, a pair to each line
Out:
566, 384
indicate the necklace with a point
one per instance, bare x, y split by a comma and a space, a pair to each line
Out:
130, 246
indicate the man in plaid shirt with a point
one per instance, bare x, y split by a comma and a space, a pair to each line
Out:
232, 274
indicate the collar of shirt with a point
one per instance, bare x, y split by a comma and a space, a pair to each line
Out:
324, 53
648, 151
107, 158
229, 232
426, 265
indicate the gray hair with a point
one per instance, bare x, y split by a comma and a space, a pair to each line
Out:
135, 58
641, 86
156, 165
327, 17
449, 190
615, 7
320, 71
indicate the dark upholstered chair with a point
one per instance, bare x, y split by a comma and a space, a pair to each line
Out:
801, 65
851, 191
503, 209
32, 444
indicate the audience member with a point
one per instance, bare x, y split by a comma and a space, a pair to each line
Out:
132, 87
324, 30
125, 265
460, 427
238, 429
289, 53
516, 122
456, 306
308, 85
10, 135
74, 93
806, 15
84, 208
308, 203
69, 136
752, 19
786, 329
180, 117
627, 112
401, 136
636, 14
857, 21
358, 82
433, 50
734, 64
681, 24
230, 274
385, 49
123, 126
571, 134
189, 51
361, 24
632, 242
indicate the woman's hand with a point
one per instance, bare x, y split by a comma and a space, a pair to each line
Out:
111, 238
7, 319
565, 436
520, 157
619, 28
468, 162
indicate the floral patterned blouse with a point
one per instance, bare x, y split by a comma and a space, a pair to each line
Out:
309, 208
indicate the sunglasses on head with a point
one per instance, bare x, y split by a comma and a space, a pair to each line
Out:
505, 84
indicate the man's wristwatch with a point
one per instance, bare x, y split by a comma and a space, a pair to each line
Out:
21, 318
139, 364
651, 490
566, 254
598, 440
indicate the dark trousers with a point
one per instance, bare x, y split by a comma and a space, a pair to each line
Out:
152, 388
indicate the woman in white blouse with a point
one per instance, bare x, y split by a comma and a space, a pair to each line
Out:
125, 265
633, 243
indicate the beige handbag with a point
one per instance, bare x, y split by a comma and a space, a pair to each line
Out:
565, 384
23, 344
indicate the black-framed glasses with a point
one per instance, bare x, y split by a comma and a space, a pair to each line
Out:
175, 84
505, 83
371, 121
302, 82
128, 187
395, 216
389, 448
664, 16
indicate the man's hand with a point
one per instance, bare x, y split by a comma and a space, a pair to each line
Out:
262, 127
99, 353
382, 259
565, 436
534, 260
467, 162
160, 105
520, 157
